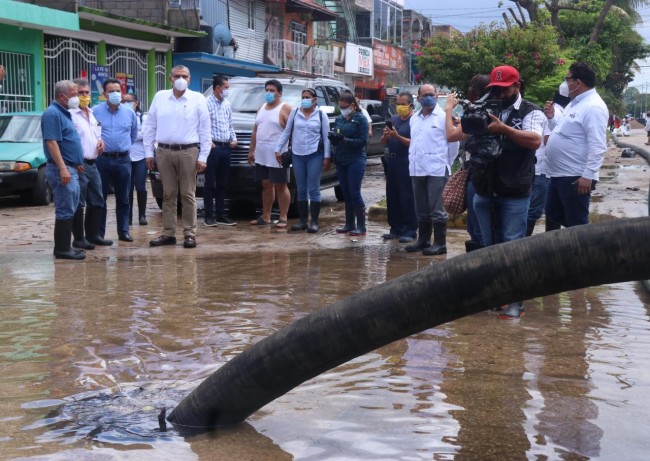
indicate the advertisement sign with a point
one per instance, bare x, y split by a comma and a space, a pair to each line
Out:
126, 82
98, 74
388, 57
358, 60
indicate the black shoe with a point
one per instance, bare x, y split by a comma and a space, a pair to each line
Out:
83, 244
163, 240
142, 220
390, 236
125, 237
225, 221
210, 222
406, 239
190, 241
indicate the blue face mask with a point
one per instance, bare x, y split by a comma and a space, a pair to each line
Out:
306, 103
270, 97
115, 97
429, 101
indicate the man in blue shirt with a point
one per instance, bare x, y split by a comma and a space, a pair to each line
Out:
62, 148
119, 130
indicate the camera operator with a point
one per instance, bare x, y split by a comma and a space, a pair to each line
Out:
504, 186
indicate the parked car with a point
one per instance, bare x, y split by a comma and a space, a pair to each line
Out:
246, 95
22, 161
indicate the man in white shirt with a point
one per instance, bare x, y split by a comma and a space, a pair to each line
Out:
575, 149
179, 123
430, 160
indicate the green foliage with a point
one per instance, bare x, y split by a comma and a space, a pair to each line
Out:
453, 62
544, 89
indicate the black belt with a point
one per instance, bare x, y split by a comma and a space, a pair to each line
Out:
394, 155
219, 143
115, 154
178, 146
89, 161
70, 164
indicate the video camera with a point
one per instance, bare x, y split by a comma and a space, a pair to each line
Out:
476, 117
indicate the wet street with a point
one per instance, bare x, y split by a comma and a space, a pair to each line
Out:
92, 351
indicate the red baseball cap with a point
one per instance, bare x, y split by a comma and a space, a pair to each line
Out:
503, 76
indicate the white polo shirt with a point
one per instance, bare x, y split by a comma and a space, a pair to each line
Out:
429, 153
89, 131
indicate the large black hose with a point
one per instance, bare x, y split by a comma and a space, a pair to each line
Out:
548, 263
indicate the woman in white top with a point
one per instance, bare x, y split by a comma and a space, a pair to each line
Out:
311, 155
138, 164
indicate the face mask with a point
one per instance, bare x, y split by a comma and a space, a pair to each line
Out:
73, 102
346, 112
225, 93
429, 101
115, 97
270, 97
306, 103
403, 111
564, 89
130, 104
84, 101
180, 84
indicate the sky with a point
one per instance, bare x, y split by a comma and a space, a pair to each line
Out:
466, 14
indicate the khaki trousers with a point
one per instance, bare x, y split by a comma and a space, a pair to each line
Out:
178, 174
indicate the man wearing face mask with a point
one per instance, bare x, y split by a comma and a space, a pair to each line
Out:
119, 132
179, 122
430, 160
400, 204
223, 141
576, 148
64, 154
90, 181
503, 189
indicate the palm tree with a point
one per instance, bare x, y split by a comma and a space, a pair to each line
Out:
624, 7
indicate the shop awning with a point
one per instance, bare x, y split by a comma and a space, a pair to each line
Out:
211, 59
318, 12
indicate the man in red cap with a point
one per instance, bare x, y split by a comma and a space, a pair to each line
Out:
503, 188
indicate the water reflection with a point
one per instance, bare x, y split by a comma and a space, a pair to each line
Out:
568, 381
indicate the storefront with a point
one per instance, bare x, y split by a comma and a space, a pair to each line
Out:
388, 63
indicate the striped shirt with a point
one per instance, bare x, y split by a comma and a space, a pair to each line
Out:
221, 119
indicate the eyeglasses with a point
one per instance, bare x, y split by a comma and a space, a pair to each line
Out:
83, 92
428, 94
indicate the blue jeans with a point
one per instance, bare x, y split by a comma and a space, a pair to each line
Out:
216, 181
538, 197
350, 177
564, 205
308, 170
473, 227
427, 191
510, 218
400, 203
66, 197
90, 184
139, 176
116, 171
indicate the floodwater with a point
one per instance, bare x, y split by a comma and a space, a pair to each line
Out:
91, 352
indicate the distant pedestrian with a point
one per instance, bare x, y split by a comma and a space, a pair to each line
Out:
647, 128
119, 132
576, 148
224, 140
308, 127
90, 181
400, 204
138, 163
270, 122
179, 122
64, 154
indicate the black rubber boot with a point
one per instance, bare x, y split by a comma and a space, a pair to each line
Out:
530, 227
93, 223
360, 230
424, 238
439, 246
142, 208
471, 245
349, 220
552, 225
303, 210
78, 231
131, 207
62, 237
314, 209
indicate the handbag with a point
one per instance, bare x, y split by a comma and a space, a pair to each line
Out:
453, 196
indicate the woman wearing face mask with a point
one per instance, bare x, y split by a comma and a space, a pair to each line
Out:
308, 127
349, 136
138, 163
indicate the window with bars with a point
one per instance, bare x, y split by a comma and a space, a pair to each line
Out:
17, 89
298, 32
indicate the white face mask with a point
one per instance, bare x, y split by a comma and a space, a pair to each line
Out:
346, 112
73, 102
564, 89
180, 84
225, 93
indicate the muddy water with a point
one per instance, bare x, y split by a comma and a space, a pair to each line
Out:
91, 352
